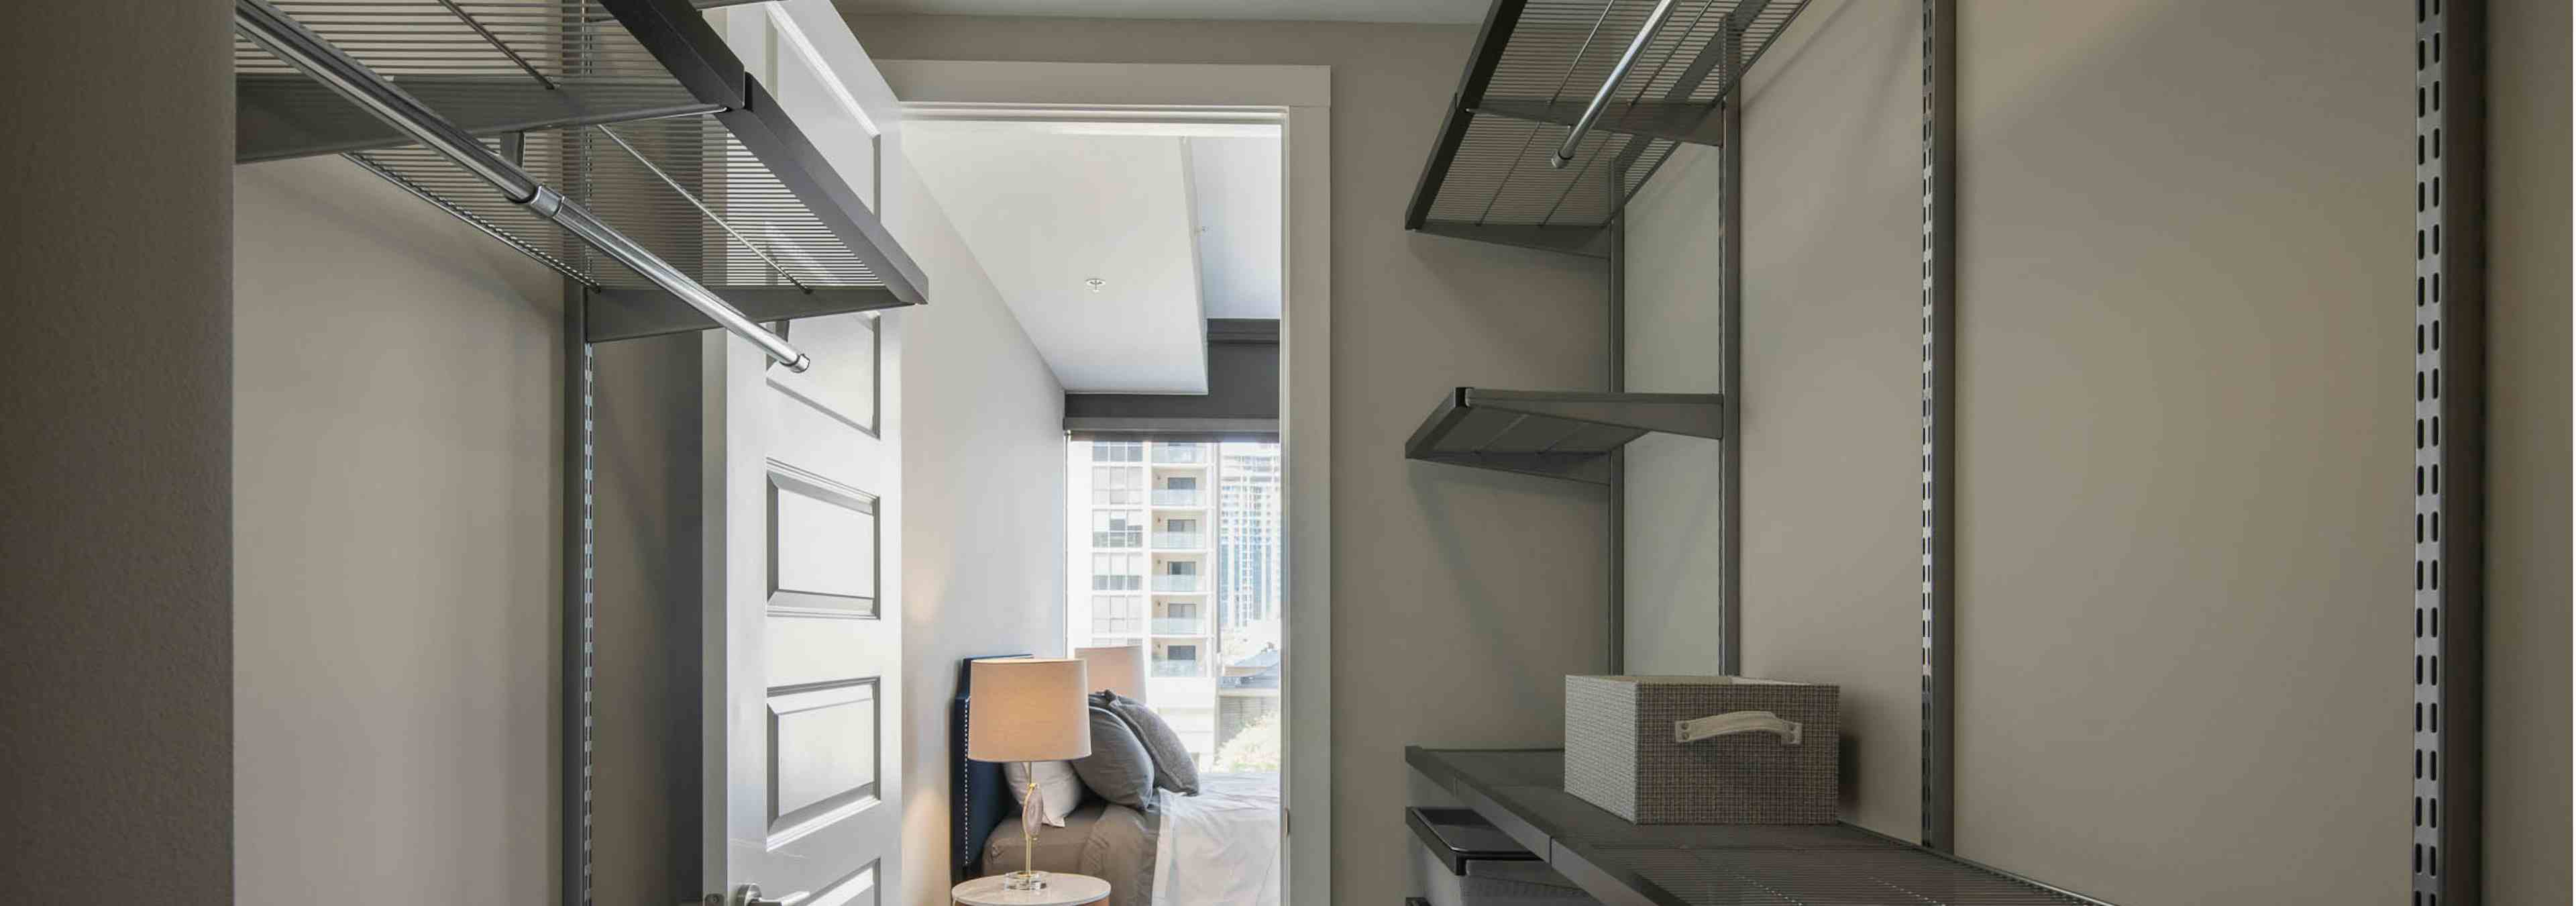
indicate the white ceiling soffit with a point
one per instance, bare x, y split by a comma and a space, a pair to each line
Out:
1453, 12
1046, 212
1236, 191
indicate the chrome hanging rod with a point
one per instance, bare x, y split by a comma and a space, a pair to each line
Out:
290, 41
1601, 99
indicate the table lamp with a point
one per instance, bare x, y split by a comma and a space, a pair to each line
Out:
1027, 710
1119, 669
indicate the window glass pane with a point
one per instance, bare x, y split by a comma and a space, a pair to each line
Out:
1176, 546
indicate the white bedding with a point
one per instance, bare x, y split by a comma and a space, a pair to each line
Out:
1220, 847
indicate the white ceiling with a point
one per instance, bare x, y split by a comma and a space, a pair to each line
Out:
1235, 192
1441, 11
1180, 224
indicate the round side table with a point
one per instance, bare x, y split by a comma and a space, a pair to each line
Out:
1062, 890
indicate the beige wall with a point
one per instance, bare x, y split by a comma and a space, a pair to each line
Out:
2184, 439
1674, 568
115, 390
1829, 393
1460, 598
648, 549
983, 518
2183, 327
395, 487
2527, 453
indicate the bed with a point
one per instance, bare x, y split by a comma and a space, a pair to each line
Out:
1218, 848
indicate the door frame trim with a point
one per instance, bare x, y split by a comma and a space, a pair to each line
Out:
1299, 99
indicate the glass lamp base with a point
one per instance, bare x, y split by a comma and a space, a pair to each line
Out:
1025, 880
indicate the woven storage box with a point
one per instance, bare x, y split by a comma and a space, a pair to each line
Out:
1621, 751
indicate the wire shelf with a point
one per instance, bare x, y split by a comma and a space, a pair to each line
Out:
1537, 66
1856, 872
1556, 434
1522, 792
751, 232
487, 65
564, 89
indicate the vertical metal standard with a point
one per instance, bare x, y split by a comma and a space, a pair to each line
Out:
1940, 240
2450, 428
1617, 232
578, 610
1730, 303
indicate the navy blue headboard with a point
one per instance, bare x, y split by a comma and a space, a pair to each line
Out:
982, 798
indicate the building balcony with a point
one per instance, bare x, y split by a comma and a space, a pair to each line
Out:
1180, 626
1177, 668
1190, 497
1181, 456
1187, 541
1177, 583
1117, 539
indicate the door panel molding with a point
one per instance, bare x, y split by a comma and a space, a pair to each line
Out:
806, 582
804, 794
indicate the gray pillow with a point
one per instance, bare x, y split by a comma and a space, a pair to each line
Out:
1118, 768
1173, 769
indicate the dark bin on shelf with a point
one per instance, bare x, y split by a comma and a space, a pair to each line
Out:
1466, 861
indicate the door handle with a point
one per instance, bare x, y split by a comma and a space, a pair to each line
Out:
749, 895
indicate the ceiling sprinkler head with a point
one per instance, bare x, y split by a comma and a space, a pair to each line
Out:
1095, 283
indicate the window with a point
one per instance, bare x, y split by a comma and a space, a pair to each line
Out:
1192, 570
1117, 528
1117, 572
1117, 615
1117, 485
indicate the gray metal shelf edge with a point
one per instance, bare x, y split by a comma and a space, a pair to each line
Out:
1518, 117
1555, 434
1522, 792
676, 67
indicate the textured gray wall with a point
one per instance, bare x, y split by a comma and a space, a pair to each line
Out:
396, 506
1833, 225
115, 376
2183, 314
1460, 598
646, 757
2184, 445
2527, 453
1829, 393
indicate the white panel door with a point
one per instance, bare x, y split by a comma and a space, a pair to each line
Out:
804, 685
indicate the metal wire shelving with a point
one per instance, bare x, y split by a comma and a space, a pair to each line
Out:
1555, 434
1522, 792
633, 109
1660, 70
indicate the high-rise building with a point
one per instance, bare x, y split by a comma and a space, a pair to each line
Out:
1175, 546
1248, 539
1140, 557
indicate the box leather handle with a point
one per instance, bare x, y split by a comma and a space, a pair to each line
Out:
1738, 722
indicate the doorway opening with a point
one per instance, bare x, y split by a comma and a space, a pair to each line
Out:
1190, 496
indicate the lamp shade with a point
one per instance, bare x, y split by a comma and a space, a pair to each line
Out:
1119, 669
1027, 709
